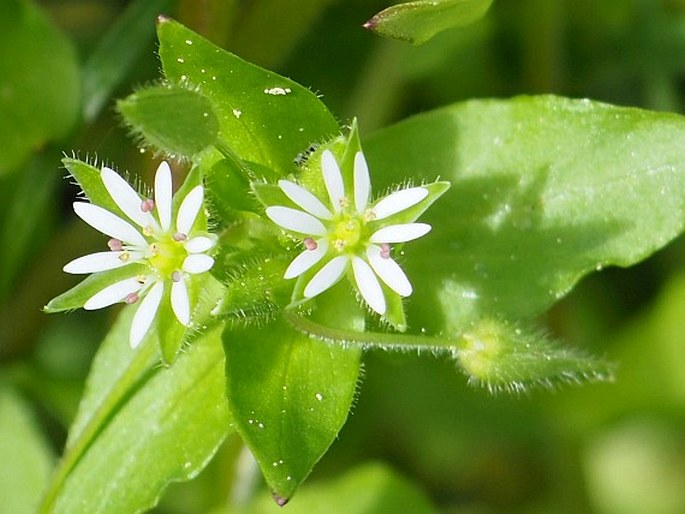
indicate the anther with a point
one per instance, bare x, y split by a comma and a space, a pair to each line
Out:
147, 205
140, 279
124, 256
148, 230
344, 203
131, 298
180, 236
339, 244
310, 244
176, 276
115, 245
385, 250
369, 215
154, 249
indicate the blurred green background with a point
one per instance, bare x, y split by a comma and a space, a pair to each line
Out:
607, 449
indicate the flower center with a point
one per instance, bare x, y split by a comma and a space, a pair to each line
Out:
346, 233
166, 256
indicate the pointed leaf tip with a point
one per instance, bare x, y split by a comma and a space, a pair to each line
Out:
280, 500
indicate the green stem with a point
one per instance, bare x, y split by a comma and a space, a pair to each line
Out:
131, 377
382, 340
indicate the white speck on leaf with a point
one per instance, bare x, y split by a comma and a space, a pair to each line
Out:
278, 91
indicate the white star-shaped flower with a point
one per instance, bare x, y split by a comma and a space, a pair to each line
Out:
346, 233
162, 243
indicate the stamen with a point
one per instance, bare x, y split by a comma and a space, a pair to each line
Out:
115, 245
147, 205
339, 244
385, 250
176, 276
154, 249
369, 215
140, 279
179, 236
148, 230
310, 244
131, 298
344, 203
125, 256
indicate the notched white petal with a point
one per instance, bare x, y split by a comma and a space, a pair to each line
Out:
389, 271
333, 179
125, 197
190, 207
326, 276
368, 285
101, 261
197, 263
297, 221
306, 260
400, 233
112, 294
199, 244
180, 303
362, 183
147, 310
108, 223
163, 194
305, 199
399, 201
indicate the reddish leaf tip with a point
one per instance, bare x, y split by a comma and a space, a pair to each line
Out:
371, 24
280, 501
163, 18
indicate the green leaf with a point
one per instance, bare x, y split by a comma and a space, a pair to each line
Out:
368, 489
544, 190
179, 122
39, 100
417, 22
141, 426
26, 458
118, 51
290, 394
263, 117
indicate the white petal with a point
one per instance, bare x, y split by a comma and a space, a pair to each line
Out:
147, 310
297, 221
306, 260
188, 210
305, 199
326, 277
368, 285
399, 201
197, 263
199, 244
333, 179
112, 294
125, 197
107, 223
400, 233
163, 194
362, 183
100, 261
180, 303
389, 271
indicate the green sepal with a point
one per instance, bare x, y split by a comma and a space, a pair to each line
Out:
228, 190
88, 178
501, 356
75, 297
176, 121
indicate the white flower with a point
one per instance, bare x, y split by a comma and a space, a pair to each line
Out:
165, 248
347, 233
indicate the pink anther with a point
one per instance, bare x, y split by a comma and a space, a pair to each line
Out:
310, 244
179, 236
147, 205
385, 250
176, 276
131, 298
115, 245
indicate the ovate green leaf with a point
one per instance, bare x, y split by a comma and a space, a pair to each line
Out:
290, 394
544, 190
177, 121
263, 117
419, 21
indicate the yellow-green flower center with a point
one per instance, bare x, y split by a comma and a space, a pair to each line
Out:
346, 233
166, 256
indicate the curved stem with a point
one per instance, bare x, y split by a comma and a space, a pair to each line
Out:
124, 386
382, 340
